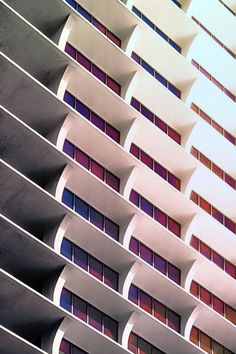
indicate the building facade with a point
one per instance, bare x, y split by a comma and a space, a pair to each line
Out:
118, 181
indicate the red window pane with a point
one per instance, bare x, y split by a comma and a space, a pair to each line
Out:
112, 181
146, 254
194, 336
134, 245
146, 159
160, 217
113, 133
217, 84
160, 170
205, 161
217, 215
229, 224
160, 124
160, 264
133, 343
133, 294
205, 342
174, 226
173, 320
194, 108
98, 25
145, 301
230, 181
113, 38
173, 273
205, 250
174, 135
159, 311
82, 158
217, 171
230, 314
98, 73
205, 117
218, 260
194, 152
134, 197
230, 269
114, 86
84, 61
135, 150
194, 289
174, 181
205, 296
218, 305
217, 127
97, 169
205, 205
195, 242
194, 197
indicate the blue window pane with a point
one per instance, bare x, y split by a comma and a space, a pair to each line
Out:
66, 248
71, 3
136, 58
133, 294
111, 229
136, 11
174, 45
84, 13
68, 98
148, 22
136, 104
146, 206
81, 108
68, 198
81, 258
69, 148
174, 90
161, 79
96, 218
81, 207
66, 300
148, 114
162, 34
148, 68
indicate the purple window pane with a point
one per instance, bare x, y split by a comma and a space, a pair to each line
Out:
160, 264
134, 197
229, 137
95, 268
218, 260
98, 121
174, 181
229, 224
160, 170
97, 169
99, 26
112, 132
174, 135
111, 229
160, 217
95, 318
146, 159
160, 124
68, 148
70, 50
96, 218
65, 346
133, 294
68, 198
230, 181
110, 277
112, 181
80, 308
205, 250
136, 57
81, 258
81, 207
66, 299
230, 269
113, 38
134, 150
66, 248
146, 254
146, 206
82, 109
134, 245
173, 273
148, 114
98, 73
145, 301
86, 63
82, 158
174, 90
70, 99
136, 104
110, 328
173, 321
114, 86
217, 215
174, 226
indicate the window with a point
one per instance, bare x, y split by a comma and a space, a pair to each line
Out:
69, 348
138, 345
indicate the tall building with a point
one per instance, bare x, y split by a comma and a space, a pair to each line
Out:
118, 179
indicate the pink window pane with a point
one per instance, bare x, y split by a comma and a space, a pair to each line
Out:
230, 314
97, 169
174, 135
98, 73
114, 38
174, 226
112, 133
135, 150
217, 127
173, 320
229, 224
205, 296
134, 197
112, 181
194, 289
146, 254
160, 170
217, 171
174, 181
205, 342
218, 260
195, 242
194, 336
173, 273
205, 117
160, 124
134, 245
82, 158
205, 161
145, 302
83, 61
70, 50
160, 264
114, 86
218, 305
133, 343
194, 152
217, 215
160, 217
65, 346
98, 121
146, 159
230, 181
195, 64
230, 269
205, 250
98, 25
205, 205
160, 311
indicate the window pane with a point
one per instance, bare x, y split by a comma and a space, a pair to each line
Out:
81, 258
230, 181
145, 301
174, 135
174, 227
112, 181
98, 121
205, 161
65, 346
110, 327
70, 50
134, 245
96, 218
134, 197
133, 294
80, 308
218, 305
148, 68
66, 248
110, 277
134, 150
148, 114
86, 63
161, 79
217, 215
136, 57
218, 260
70, 99
160, 170
148, 22
160, 264
97, 169
95, 268
112, 133
68, 148
230, 269
114, 86
217, 348
173, 320
205, 205
229, 137
113, 38
81, 108
146, 254
229, 224
217, 170
146, 159
71, 3
136, 104
133, 343
144, 347
195, 243
111, 229
98, 73
174, 181
205, 296
160, 217
84, 13
159, 311
66, 299
194, 289
95, 318
81, 207
146, 206
194, 336
194, 197
174, 273
205, 342
205, 250
82, 158
99, 26
76, 350
68, 198
162, 34
230, 314
160, 124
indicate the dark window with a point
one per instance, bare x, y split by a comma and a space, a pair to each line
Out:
95, 318
95, 268
80, 308
81, 258
68, 198
66, 248
81, 207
